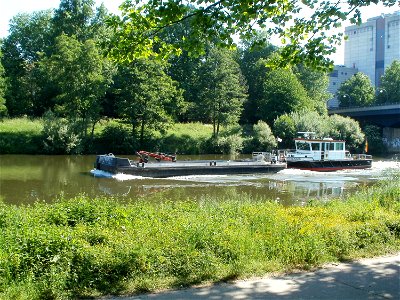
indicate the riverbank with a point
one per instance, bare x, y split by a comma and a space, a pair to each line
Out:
92, 247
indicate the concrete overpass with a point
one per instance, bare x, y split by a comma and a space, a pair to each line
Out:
386, 116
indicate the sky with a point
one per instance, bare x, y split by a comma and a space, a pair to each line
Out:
9, 8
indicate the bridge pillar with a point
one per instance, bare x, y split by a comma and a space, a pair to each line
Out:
391, 138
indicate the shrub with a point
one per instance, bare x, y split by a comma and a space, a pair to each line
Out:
263, 139
60, 135
115, 138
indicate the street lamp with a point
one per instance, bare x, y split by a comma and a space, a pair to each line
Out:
381, 90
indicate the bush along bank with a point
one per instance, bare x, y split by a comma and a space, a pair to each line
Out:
91, 247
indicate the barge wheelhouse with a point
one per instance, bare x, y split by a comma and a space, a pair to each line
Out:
324, 155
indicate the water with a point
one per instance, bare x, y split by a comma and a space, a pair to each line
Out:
26, 179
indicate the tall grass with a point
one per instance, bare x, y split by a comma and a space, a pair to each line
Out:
24, 136
21, 136
82, 246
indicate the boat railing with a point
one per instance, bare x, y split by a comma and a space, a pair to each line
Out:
211, 163
361, 156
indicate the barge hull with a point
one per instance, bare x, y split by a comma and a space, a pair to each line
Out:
117, 165
330, 165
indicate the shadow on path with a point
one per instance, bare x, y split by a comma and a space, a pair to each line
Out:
377, 278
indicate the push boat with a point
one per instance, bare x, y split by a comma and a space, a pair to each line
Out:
324, 155
167, 165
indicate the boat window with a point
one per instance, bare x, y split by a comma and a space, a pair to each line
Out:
316, 146
339, 146
329, 146
303, 146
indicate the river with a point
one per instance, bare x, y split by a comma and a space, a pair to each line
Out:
25, 179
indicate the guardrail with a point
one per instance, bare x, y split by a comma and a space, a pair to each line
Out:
363, 106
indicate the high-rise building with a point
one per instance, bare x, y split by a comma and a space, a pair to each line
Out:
372, 46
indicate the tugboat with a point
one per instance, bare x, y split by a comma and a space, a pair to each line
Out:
167, 165
324, 155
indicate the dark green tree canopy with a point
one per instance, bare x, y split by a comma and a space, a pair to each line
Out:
148, 99
3, 87
223, 89
356, 91
389, 91
302, 25
282, 93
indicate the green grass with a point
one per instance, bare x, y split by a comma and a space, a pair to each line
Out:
90, 247
21, 136
188, 138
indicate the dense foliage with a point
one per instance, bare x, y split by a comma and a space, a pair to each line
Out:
3, 87
389, 90
303, 26
55, 61
85, 247
335, 126
356, 91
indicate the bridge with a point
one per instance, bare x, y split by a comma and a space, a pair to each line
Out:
386, 115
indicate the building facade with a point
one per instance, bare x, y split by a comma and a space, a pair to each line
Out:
372, 46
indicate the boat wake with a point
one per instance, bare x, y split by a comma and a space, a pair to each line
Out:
119, 176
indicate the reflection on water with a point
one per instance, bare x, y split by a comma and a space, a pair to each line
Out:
25, 179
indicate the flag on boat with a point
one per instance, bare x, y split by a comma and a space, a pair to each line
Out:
366, 145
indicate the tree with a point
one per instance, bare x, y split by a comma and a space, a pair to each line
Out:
263, 137
285, 129
345, 128
223, 89
82, 77
316, 84
373, 134
3, 87
282, 93
252, 63
287, 126
184, 69
302, 25
147, 97
28, 41
356, 91
389, 91
311, 121
73, 18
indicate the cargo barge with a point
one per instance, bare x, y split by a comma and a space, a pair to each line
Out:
170, 167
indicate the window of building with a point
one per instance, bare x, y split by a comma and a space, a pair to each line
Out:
334, 73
